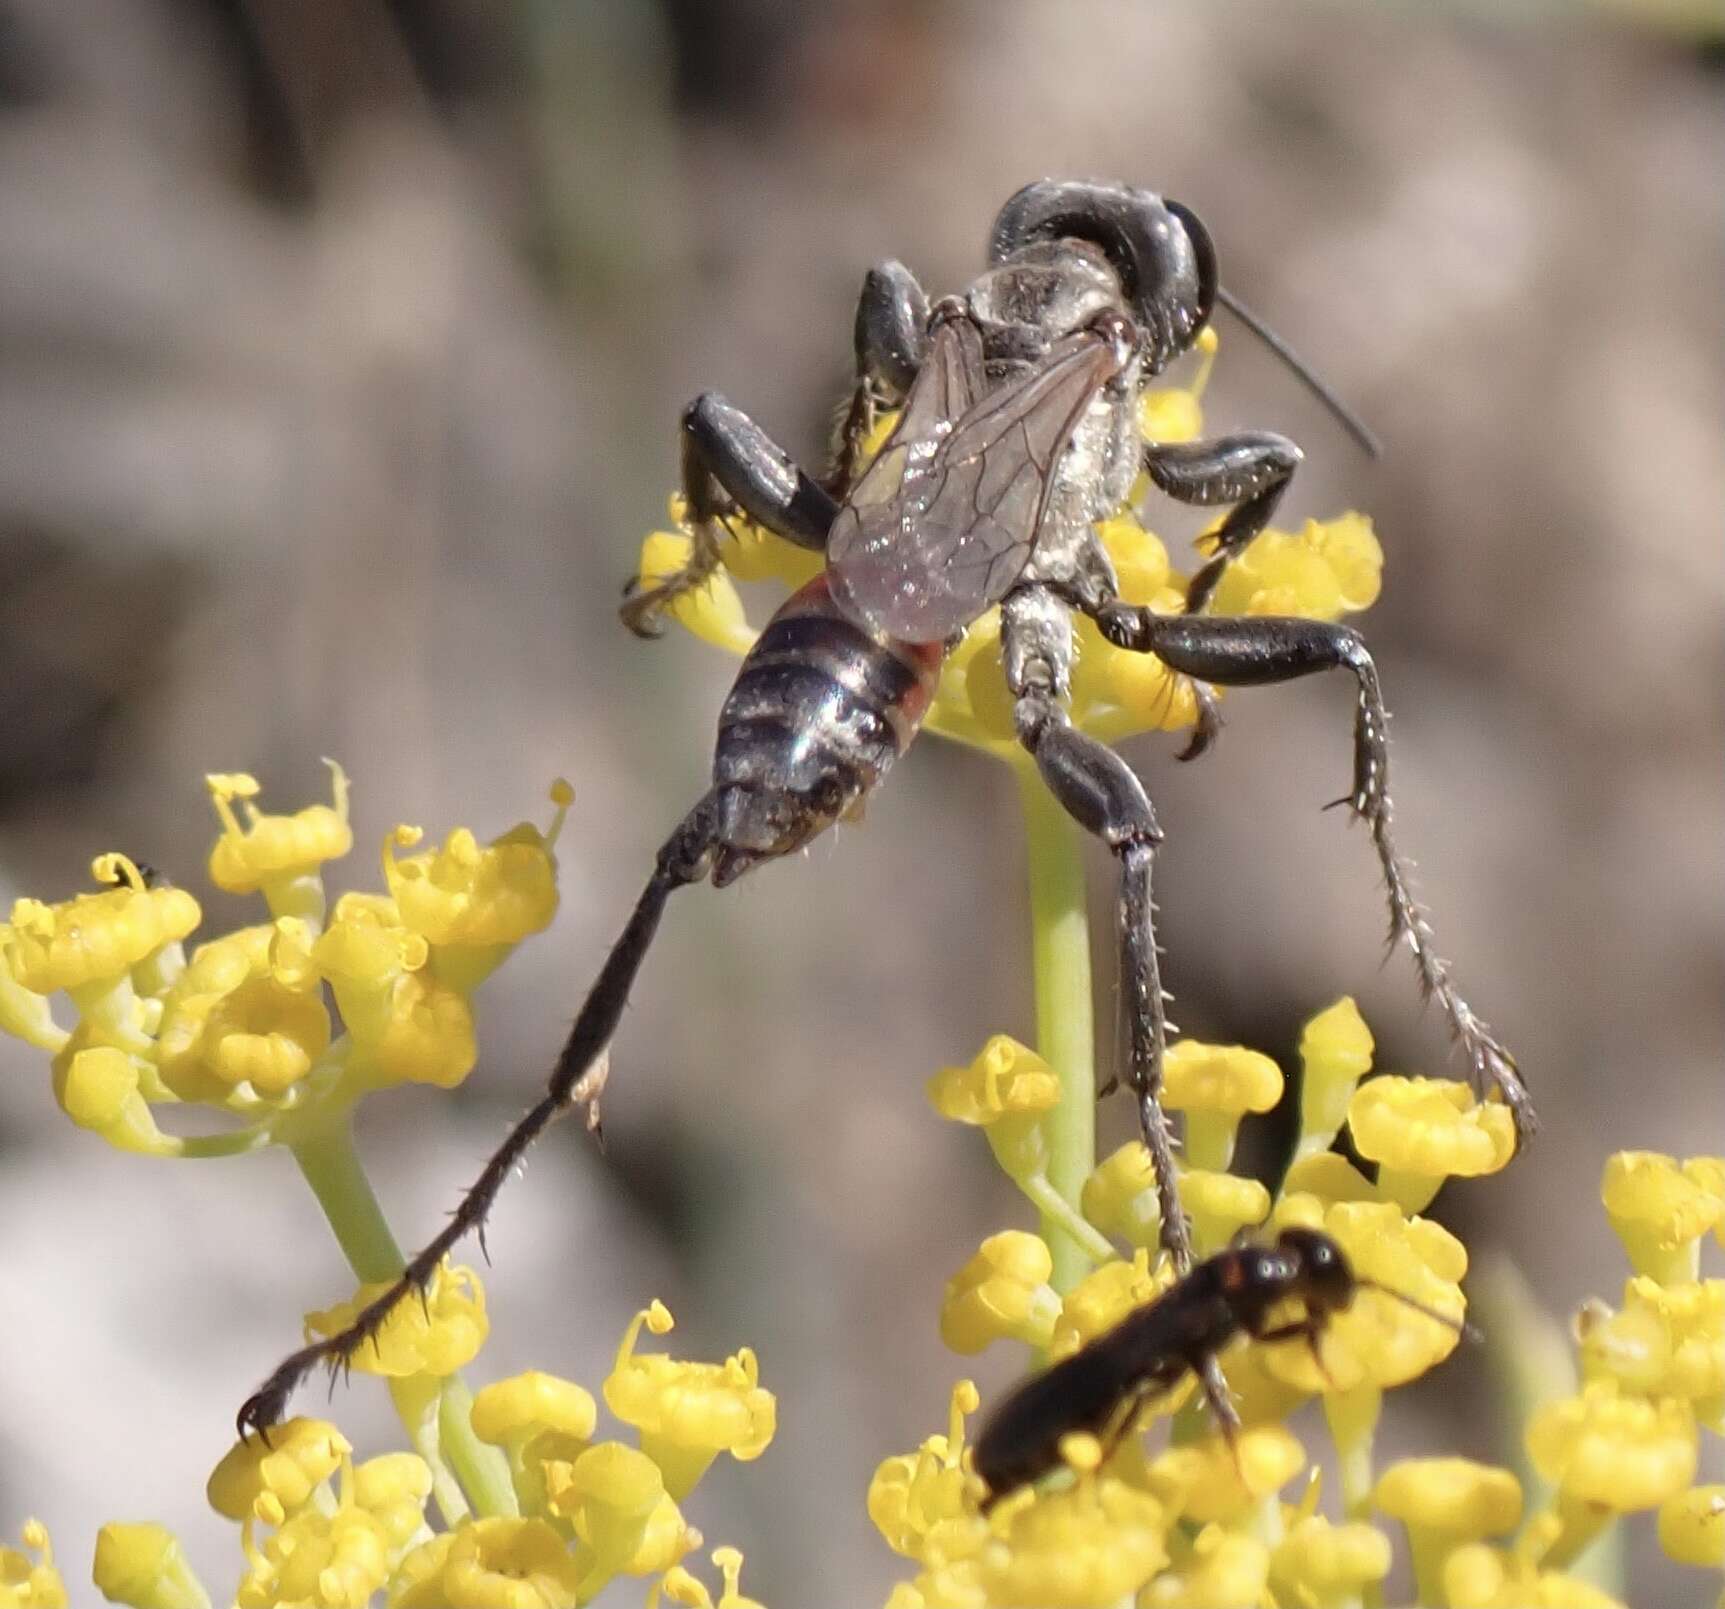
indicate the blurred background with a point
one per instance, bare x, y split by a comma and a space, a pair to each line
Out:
342, 344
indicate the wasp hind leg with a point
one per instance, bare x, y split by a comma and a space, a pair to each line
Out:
730, 465
577, 1079
1257, 651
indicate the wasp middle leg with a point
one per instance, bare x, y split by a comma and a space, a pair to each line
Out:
1248, 652
1251, 470
728, 464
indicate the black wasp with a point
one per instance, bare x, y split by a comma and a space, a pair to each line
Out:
1018, 430
1102, 1387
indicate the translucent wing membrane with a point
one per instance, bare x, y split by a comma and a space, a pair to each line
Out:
944, 520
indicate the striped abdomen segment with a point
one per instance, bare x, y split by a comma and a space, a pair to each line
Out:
819, 712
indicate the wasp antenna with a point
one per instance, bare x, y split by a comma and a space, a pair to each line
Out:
1344, 415
1466, 1331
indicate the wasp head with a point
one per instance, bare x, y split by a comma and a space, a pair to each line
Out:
1160, 251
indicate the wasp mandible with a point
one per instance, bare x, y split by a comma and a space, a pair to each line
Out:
1017, 431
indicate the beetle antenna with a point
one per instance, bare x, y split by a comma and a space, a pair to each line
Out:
1343, 414
1466, 1331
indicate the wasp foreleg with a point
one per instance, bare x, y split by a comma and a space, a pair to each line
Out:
891, 343
1250, 470
575, 1081
1246, 652
730, 463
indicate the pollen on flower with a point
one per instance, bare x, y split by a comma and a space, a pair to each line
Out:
1692, 1527
1329, 569
916, 1500
319, 1561
435, 1336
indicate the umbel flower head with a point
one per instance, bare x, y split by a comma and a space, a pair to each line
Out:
246, 1025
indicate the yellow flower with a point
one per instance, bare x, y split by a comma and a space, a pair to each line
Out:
1482, 1577
1092, 1544
1335, 1054
100, 1089
318, 1561
1421, 1131
917, 1500
626, 1520
245, 1019
1006, 1079
31, 1583
1215, 1086
490, 1564
274, 1479
689, 1413
1001, 1292
393, 1488
1331, 568
1618, 1452
1220, 1205
1329, 1176
469, 896
713, 611
1004, 1090
1446, 1503
1319, 1564
1104, 1297
95, 939
145, 1566
1378, 1341
1120, 1196
1692, 1527
1212, 1481
407, 1026
682, 1587
1661, 1209
1227, 1571
435, 1336
279, 856
25, 1014
533, 1407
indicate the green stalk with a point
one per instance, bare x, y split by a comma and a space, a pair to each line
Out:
1065, 1024
330, 1163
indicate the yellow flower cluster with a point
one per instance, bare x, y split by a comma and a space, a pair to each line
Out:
243, 1026
319, 1531
1326, 570
1202, 1522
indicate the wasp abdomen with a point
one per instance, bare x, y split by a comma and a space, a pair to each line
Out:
818, 714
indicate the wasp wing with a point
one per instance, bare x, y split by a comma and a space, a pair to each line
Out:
945, 519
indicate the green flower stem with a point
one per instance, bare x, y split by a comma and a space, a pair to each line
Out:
1065, 1023
327, 1157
